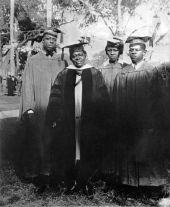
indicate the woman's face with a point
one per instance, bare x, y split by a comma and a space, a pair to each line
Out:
78, 58
113, 53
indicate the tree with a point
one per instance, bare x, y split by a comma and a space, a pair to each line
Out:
110, 11
31, 15
115, 14
99, 58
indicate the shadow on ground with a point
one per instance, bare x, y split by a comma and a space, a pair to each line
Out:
15, 193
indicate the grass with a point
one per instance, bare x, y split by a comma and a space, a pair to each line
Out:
13, 193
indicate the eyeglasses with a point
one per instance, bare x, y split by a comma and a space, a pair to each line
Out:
112, 50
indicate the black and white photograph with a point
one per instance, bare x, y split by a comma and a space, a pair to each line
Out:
84, 103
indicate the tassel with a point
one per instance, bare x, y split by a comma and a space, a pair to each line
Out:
62, 54
61, 37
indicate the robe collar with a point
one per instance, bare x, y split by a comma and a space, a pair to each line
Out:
55, 54
86, 66
108, 63
138, 65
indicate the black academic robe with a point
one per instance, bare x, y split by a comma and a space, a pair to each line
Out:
109, 72
139, 151
164, 101
61, 109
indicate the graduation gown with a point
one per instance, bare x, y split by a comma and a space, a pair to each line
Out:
164, 101
34, 145
61, 110
109, 72
140, 157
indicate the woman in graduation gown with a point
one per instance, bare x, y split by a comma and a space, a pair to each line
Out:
141, 159
111, 67
109, 70
76, 115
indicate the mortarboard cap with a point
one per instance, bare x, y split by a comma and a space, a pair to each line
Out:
52, 31
115, 42
77, 46
135, 40
48, 30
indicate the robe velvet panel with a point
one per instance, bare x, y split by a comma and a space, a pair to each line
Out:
61, 109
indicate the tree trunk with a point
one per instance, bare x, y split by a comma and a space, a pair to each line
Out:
0, 49
119, 23
12, 64
17, 60
49, 12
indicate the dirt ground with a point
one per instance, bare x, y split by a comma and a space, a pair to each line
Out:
9, 102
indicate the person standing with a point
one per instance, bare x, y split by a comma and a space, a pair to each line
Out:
112, 67
19, 84
11, 84
140, 157
76, 113
38, 77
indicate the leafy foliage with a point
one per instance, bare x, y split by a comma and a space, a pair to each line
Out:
99, 59
31, 15
107, 10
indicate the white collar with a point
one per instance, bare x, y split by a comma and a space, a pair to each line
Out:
138, 65
82, 68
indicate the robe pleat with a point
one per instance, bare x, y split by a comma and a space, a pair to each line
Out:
34, 140
141, 153
109, 72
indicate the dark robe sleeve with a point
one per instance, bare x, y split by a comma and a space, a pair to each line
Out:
101, 94
55, 106
104, 113
162, 115
101, 98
